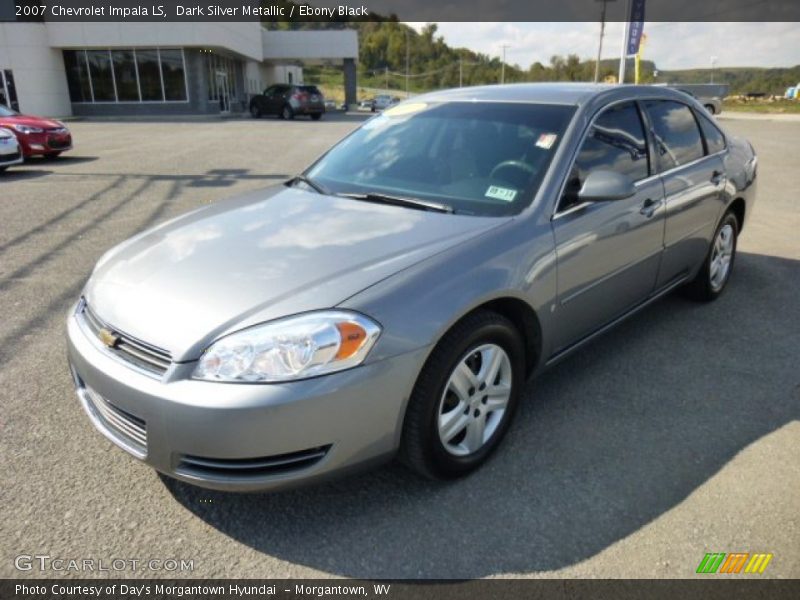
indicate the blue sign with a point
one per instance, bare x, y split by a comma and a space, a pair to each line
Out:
636, 27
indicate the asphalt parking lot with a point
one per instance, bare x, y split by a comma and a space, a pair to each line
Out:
675, 435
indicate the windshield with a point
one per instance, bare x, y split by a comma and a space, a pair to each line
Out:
479, 158
7, 112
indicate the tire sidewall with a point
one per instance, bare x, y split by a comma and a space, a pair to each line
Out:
504, 335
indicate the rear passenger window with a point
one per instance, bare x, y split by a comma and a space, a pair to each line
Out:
715, 141
616, 142
677, 136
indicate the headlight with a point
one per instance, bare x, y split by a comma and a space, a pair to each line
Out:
26, 129
293, 348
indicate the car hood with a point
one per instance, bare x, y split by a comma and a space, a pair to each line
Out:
258, 257
40, 122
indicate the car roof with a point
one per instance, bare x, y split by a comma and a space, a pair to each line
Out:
548, 93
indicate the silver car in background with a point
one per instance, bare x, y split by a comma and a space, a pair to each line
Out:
10, 152
392, 300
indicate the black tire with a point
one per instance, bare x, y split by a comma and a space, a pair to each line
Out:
316, 117
51, 155
421, 448
702, 288
255, 111
710, 108
3, 169
287, 113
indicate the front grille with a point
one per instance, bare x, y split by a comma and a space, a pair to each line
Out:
9, 157
131, 428
244, 468
58, 143
128, 348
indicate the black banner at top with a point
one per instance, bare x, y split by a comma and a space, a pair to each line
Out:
340, 11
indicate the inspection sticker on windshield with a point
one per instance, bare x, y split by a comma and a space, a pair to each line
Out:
546, 140
501, 193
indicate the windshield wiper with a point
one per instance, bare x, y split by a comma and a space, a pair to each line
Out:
401, 201
301, 178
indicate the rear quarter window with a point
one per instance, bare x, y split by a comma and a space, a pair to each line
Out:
677, 135
715, 139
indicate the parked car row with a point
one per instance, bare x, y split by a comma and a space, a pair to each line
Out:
378, 103
24, 136
287, 101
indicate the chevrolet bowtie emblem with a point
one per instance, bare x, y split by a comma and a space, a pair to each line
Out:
107, 337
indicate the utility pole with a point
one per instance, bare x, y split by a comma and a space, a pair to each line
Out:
600, 43
461, 72
387, 76
713, 62
503, 65
407, 62
624, 51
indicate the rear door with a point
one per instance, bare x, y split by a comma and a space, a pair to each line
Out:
275, 98
693, 175
608, 252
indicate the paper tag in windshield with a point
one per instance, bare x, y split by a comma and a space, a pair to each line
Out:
501, 193
546, 140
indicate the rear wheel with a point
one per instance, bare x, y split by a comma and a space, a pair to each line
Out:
465, 397
716, 270
287, 113
3, 169
316, 117
710, 108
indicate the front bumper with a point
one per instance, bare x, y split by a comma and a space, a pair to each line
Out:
34, 144
244, 436
10, 154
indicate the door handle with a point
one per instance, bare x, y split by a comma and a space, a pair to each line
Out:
717, 177
650, 207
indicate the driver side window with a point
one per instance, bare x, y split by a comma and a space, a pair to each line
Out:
615, 142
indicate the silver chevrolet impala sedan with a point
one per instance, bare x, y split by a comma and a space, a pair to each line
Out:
392, 300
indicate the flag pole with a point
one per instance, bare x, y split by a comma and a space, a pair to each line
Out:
624, 51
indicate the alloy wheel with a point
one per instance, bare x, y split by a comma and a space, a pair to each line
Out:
721, 256
474, 400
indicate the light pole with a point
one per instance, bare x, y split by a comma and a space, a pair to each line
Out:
600, 42
503, 65
713, 62
624, 51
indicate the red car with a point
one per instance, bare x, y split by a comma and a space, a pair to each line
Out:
36, 135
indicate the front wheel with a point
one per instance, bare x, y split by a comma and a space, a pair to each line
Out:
255, 111
716, 270
316, 116
464, 399
710, 108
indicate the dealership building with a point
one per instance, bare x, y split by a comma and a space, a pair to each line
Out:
150, 68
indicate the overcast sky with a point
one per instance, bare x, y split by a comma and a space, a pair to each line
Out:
670, 45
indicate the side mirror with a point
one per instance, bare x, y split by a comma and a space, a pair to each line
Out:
604, 185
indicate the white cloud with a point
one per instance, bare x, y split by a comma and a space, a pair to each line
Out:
670, 45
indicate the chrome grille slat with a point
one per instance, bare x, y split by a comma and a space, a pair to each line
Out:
116, 419
130, 349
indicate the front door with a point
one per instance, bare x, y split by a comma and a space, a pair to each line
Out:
608, 252
8, 91
223, 92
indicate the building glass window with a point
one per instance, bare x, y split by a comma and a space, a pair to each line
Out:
102, 78
126, 75
149, 74
77, 76
174, 77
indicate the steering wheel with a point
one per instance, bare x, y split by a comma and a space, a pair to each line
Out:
512, 164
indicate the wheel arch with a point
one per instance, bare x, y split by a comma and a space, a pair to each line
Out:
738, 207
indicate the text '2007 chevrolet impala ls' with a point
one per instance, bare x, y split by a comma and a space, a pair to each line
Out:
393, 299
